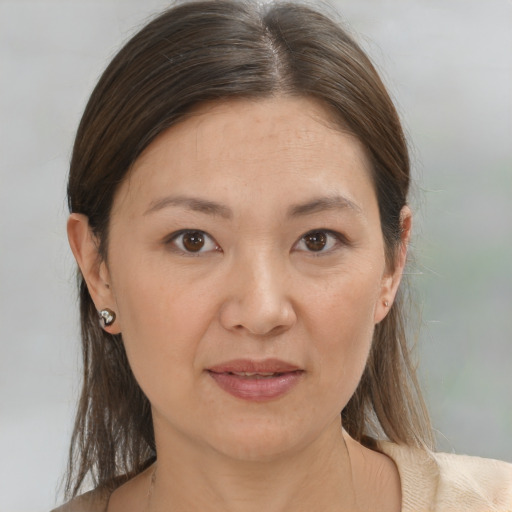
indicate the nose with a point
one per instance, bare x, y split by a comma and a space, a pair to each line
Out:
257, 297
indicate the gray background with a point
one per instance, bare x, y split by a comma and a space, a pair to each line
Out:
448, 64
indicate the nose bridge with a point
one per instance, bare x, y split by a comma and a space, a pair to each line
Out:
258, 300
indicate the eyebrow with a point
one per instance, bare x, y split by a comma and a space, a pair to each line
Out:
322, 204
208, 207
195, 204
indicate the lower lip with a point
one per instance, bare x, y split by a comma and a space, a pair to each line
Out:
257, 389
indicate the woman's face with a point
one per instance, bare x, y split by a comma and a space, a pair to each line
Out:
246, 267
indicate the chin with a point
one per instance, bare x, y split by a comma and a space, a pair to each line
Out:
256, 449
263, 440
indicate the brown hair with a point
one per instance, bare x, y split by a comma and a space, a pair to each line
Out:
202, 51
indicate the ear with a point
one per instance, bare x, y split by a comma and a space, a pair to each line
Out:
94, 270
392, 277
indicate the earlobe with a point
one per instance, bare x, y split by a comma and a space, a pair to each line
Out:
84, 246
391, 280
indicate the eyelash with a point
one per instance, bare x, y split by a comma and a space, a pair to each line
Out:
178, 246
337, 239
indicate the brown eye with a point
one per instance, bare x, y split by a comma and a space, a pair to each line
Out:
321, 241
193, 241
315, 241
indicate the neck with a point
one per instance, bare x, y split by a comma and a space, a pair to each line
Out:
316, 477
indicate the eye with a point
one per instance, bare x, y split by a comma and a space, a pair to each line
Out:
193, 241
319, 241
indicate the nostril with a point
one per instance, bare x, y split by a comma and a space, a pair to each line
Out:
260, 312
264, 332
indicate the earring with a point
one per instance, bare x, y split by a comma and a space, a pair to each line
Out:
107, 316
386, 303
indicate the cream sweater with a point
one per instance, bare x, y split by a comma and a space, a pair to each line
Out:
437, 482
442, 482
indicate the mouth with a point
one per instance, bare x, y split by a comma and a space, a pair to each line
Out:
256, 380
255, 375
249, 367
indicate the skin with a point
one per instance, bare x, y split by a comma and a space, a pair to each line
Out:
256, 290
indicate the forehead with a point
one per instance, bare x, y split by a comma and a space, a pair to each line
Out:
251, 147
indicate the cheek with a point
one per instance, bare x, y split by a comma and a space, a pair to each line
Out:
342, 323
162, 320
346, 304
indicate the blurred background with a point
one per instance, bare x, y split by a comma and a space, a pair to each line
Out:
448, 64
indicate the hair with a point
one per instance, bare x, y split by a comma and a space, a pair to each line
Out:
215, 50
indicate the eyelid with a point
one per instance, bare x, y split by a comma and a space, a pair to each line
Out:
340, 240
170, 240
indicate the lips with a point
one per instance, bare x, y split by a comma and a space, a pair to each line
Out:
268, 366
256, 380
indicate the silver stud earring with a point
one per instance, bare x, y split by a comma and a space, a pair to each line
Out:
107, 316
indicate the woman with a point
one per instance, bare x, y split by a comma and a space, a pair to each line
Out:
238, 196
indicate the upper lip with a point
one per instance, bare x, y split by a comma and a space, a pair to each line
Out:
251, 366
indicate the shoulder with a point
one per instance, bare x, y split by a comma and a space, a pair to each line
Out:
484, 481
93, 501
441, 482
